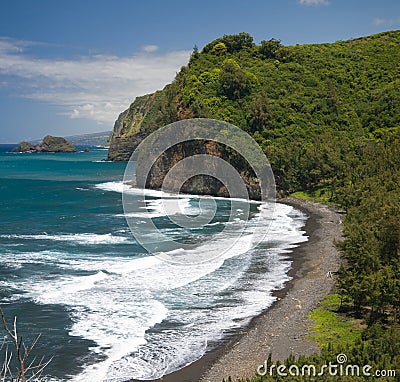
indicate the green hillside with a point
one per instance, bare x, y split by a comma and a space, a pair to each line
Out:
328, 118
307, 106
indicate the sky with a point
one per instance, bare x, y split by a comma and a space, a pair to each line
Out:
70, 67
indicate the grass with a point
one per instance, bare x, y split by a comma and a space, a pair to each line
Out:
319, 193
330, 327
302, 195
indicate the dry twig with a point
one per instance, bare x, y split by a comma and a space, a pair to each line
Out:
27, 369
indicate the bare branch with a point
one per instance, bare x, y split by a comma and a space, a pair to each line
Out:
5, 326
27, 369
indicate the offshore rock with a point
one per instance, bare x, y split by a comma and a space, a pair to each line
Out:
49, 144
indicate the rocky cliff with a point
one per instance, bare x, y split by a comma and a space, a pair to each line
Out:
47, 145
127, 132
200, 184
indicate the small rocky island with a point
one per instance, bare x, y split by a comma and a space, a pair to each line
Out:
49, 144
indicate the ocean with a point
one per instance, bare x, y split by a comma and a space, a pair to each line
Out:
108, 310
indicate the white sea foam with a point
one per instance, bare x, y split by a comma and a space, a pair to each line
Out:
119, 186
78, 238
17, 260
107, 308
164, 207
118, 300
113, 186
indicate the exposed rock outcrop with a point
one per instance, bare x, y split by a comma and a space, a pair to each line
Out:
127, 133
201, 183
47, 145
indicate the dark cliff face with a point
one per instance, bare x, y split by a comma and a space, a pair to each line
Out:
121, 148
127, 133
201, 177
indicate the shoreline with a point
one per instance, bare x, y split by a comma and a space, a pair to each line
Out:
282, 329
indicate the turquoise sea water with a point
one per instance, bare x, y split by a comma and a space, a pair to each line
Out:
107, 309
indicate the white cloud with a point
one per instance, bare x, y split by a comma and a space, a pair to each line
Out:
96, 87
380, 21
313, 2
150, 48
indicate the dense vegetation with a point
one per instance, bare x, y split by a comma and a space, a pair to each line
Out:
312, 108
328, 118
368, 285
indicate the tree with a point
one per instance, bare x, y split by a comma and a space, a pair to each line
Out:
237, 42
268, 49
331, 96
260, 114
219, 49
235, 83
195, 54
234, 43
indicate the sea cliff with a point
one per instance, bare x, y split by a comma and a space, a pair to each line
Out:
127, 133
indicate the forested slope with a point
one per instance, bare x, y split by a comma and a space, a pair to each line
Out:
310, 107
328, 118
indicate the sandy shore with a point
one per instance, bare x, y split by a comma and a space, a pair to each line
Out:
283, 328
